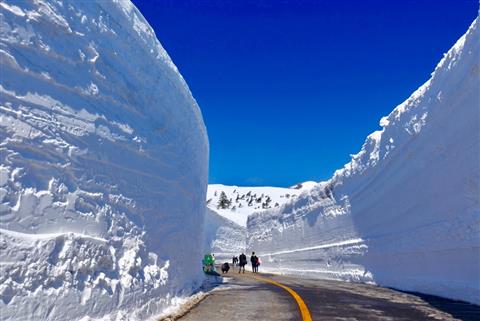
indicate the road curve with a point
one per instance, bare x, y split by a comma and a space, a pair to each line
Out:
272, 297
304, 312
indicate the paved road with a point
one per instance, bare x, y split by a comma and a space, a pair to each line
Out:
246, 298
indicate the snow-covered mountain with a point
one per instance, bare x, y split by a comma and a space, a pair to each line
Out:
241, 201
229, 208
405, 211
304, 186
103, 165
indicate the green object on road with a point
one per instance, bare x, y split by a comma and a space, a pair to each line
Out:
208, 259
209, 265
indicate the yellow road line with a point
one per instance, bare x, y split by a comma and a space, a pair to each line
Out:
301, 304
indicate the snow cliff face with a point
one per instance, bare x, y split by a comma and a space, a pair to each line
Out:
103, 165
223, 237
405, 211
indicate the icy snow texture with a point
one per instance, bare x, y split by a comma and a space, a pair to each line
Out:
405, 211
103, 165
223, 237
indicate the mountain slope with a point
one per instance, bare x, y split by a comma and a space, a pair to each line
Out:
225, 224
404, 212
104, 159
244, 200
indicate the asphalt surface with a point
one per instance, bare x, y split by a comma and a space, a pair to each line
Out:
246, 298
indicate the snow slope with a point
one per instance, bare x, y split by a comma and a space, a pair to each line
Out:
304, 186
405, 211
247, 200
103, 165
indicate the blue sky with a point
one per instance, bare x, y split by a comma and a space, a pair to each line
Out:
289, 89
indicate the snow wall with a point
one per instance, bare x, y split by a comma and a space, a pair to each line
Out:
405, 211
103, 165
223, 237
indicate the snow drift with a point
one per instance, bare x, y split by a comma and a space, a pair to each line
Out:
405, 211
103, 165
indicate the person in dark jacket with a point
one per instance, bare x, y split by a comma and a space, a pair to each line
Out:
254, 261
225, 267
242, 261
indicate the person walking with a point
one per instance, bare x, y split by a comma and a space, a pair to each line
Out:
254, 261
242, 261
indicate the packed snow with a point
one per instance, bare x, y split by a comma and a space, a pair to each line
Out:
405, 211
223, 237
103, 165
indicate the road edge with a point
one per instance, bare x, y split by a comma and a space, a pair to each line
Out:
186, 307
